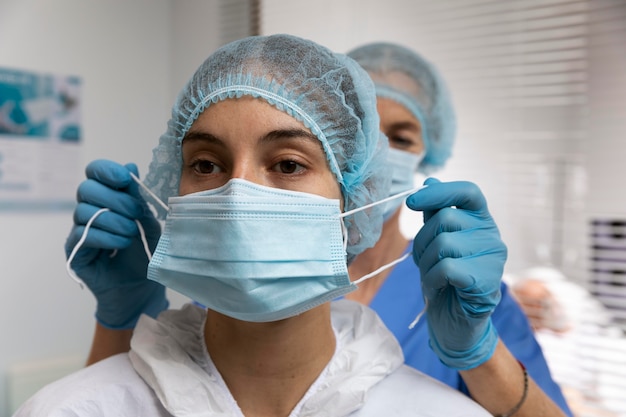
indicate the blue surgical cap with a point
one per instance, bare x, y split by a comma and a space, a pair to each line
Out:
328, 92
405, 77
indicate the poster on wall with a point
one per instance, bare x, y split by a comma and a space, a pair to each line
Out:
40, 138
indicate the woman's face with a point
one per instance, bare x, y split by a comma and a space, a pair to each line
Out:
248, 138
400, 126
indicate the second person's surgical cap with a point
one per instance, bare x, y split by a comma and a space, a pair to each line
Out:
328, 92
405, 77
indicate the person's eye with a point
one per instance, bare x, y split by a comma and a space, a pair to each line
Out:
288, 167
400, 142
204, 166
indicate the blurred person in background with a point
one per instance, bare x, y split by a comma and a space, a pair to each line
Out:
570, 323
418, 117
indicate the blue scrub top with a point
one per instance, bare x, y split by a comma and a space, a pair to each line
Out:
400, 300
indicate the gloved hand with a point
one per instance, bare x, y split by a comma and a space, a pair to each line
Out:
112, 261
461, 259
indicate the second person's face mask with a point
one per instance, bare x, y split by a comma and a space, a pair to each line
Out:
403, 166
252, 252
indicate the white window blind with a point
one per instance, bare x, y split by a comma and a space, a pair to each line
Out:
238, 19
608, 265
519, 74
540, 92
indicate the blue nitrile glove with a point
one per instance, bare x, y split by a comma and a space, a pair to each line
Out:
461, 259
119, 282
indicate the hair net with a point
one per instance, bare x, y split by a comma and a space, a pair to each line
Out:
405, 77
328, 92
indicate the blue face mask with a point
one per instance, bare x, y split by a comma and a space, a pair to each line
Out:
404, 165
253, 253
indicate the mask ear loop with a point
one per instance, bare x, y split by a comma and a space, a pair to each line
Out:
397, 261
150, 193
83, 237
383, 201
387, 266
344, 232
381, 269
419, 315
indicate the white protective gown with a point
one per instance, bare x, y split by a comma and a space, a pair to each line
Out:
168, 372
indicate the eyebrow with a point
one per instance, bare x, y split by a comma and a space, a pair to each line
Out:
274, 135
201, 136
406, 125
296, 133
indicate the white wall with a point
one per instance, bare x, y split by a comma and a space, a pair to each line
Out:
122, 52
195, 34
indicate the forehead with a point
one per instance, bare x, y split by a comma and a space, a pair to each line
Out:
399, 81
392, 112
247, 123
244, 112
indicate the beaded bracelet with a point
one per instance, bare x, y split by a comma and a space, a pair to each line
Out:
521, 402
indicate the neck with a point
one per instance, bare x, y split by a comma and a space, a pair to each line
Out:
268, 367
389, 247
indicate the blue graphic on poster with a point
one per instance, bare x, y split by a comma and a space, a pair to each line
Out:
40, 137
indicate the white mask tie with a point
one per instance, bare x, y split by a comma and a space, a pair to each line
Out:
83, 237
397, 261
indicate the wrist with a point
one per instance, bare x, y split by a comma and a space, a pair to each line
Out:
520, 403
108, 342
127, 323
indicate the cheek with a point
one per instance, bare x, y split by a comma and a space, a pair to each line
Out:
184, 187
337, 192
420, 145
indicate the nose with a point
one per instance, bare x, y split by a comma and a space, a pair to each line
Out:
245, 169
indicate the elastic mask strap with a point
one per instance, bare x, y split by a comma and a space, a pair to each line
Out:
420, 314
397, 261
150, 193
383, 201
83, 237
381, 269
344, 232
387, 266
